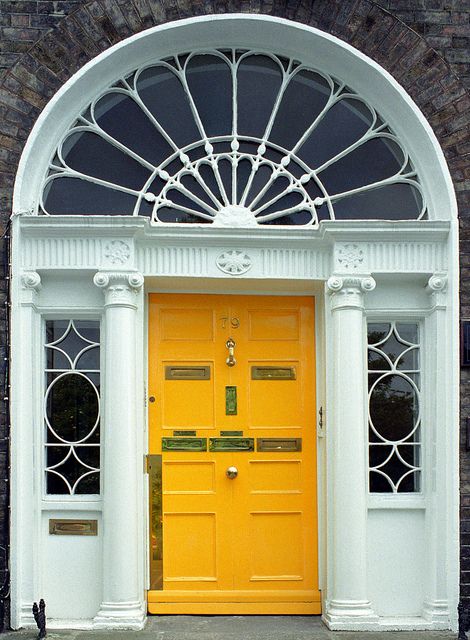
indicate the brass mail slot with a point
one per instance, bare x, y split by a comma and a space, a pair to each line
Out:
73, 527
231, 444
272, 373
184, 444
187, 373
279, 444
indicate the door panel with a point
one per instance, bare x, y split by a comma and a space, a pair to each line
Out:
248, 544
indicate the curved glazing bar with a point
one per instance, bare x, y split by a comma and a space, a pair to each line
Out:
232, 138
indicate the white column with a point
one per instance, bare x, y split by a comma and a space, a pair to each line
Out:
437, 465
122, 606
348, 606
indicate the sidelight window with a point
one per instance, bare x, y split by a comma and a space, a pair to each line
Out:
72, 407
394, 407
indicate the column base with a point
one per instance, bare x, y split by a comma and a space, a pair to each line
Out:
120, 615
350, 615
437, 612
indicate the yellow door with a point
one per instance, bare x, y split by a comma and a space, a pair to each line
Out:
232, 460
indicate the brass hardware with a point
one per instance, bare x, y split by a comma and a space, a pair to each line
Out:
184, 433
231, 473
154, 469
273, 373
230, 344
187, 373
279, 444
184, 444
231, 433
73, 527
152, 399
230, 401
231, 444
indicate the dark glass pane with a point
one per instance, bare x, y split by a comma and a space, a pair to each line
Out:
55, 484
285, 202
411, 483
391, 202
409, 360
72, 469
306, 95
72, 407
210, 82
89, 359
244, 171
378, 483
377, 331
392, 347
89, 329
164, 96
167, 214
88, 484
395, 469
259, 79
90, 154
56, 359
297, 218
207, 174
72, 344
378, 454
124, 120
260, 180
194, 186
408, 331
277, 187
225, 172
373, 161
376, 362
183, 200
345, 123
393, 407
55, 329
73, 196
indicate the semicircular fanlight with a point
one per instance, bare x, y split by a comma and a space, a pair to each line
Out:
232, 138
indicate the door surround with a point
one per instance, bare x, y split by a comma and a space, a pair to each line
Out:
414, 265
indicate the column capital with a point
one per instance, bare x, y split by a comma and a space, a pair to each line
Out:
348, 291
436, 287
120, 288
30, 286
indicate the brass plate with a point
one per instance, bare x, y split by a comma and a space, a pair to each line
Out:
230, 401
187, 373
154, 469
184, 433
279, 444
231, 433
184, 444
73, 527
231, 444
273, 373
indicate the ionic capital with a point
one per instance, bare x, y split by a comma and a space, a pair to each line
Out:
120, 288
31, 280
437, 288
349, 291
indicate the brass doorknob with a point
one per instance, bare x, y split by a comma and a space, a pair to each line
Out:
231, 473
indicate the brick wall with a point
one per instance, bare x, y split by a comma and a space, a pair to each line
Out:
424, 44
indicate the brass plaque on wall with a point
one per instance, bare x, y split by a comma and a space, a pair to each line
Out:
73, 527
184, 444
231, 444
187, 373
272, 373
279, 444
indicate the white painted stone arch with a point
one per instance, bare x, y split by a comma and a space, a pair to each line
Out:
314, 47
339, 262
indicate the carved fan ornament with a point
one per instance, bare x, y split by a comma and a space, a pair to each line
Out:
232, 138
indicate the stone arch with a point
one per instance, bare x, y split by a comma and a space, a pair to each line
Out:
94, 27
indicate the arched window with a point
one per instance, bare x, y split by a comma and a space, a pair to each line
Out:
232, 137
